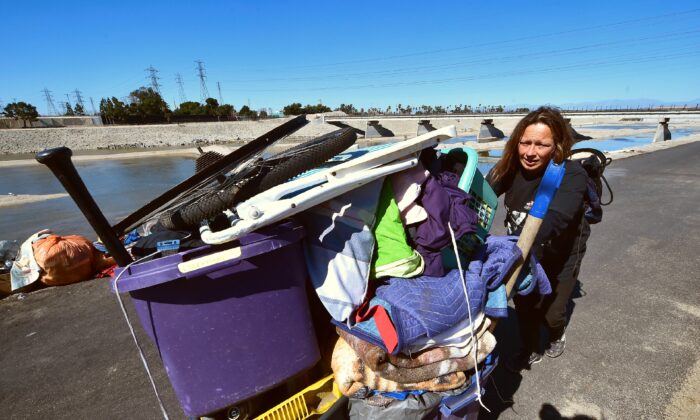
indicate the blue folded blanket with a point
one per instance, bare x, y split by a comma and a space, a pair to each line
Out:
428, 306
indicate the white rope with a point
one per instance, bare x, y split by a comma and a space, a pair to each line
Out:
471, 323
133, 335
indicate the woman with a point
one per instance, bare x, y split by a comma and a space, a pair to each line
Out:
541, 136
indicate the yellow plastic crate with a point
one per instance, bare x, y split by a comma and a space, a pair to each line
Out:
313, 400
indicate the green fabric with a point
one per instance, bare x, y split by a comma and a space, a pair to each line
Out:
394, 257
412, 266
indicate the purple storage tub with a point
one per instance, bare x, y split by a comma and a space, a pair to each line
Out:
229, 321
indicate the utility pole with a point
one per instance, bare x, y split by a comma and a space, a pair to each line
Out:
153, 77
181, 87
79, 98
204, 93
50, 107
221, 99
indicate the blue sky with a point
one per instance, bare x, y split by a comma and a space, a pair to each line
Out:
370, 54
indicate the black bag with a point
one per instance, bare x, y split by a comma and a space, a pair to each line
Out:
594, 164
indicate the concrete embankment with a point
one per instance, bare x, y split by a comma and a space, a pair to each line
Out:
25, 141
235, 133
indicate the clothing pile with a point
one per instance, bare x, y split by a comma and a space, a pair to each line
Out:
412, 325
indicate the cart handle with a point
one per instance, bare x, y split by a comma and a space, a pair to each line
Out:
59, 161
549, 185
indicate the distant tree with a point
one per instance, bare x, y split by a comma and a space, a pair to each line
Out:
210, 107
263, 113
79, 109
106, 110
296, 109
226, 110
189, 108
246, 112
315, 109
21, 111
522, 110
113, 110
348, 109
291, 109
69, 110
146, 102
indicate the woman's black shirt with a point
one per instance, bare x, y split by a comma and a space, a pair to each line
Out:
563, 225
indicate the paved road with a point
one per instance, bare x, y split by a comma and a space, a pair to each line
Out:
633, 342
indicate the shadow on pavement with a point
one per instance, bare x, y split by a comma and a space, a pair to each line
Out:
549, 412
502, 385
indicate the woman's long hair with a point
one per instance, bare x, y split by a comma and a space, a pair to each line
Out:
553, 119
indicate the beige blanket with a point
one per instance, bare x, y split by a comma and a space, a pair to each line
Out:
423, 366
352, 374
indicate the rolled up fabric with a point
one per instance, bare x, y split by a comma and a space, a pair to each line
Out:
376, 358
436, 361
354, 377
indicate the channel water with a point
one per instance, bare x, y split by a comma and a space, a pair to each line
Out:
118, 186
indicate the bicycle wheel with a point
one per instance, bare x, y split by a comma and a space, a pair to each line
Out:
208, 174
260, 176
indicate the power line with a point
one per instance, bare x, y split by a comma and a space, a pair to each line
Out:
204, 93
221, 99
49, 102
181, 88
92, 103
452, 64
153, 77
550, 69
495, 43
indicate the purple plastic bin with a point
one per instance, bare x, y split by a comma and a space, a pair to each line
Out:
229, 321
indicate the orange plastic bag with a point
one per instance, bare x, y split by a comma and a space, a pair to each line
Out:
65, 259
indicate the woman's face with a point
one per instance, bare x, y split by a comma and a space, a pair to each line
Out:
536, 147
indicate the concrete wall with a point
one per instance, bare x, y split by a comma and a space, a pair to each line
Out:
32, 140
44, 122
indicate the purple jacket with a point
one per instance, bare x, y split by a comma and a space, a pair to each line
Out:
444, 202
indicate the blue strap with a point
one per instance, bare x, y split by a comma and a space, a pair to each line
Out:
548, 187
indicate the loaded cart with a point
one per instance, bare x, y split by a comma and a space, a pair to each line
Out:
246, 324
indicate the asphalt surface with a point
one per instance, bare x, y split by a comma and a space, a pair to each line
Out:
633, 339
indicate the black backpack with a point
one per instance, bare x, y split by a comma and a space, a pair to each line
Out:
594, 164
